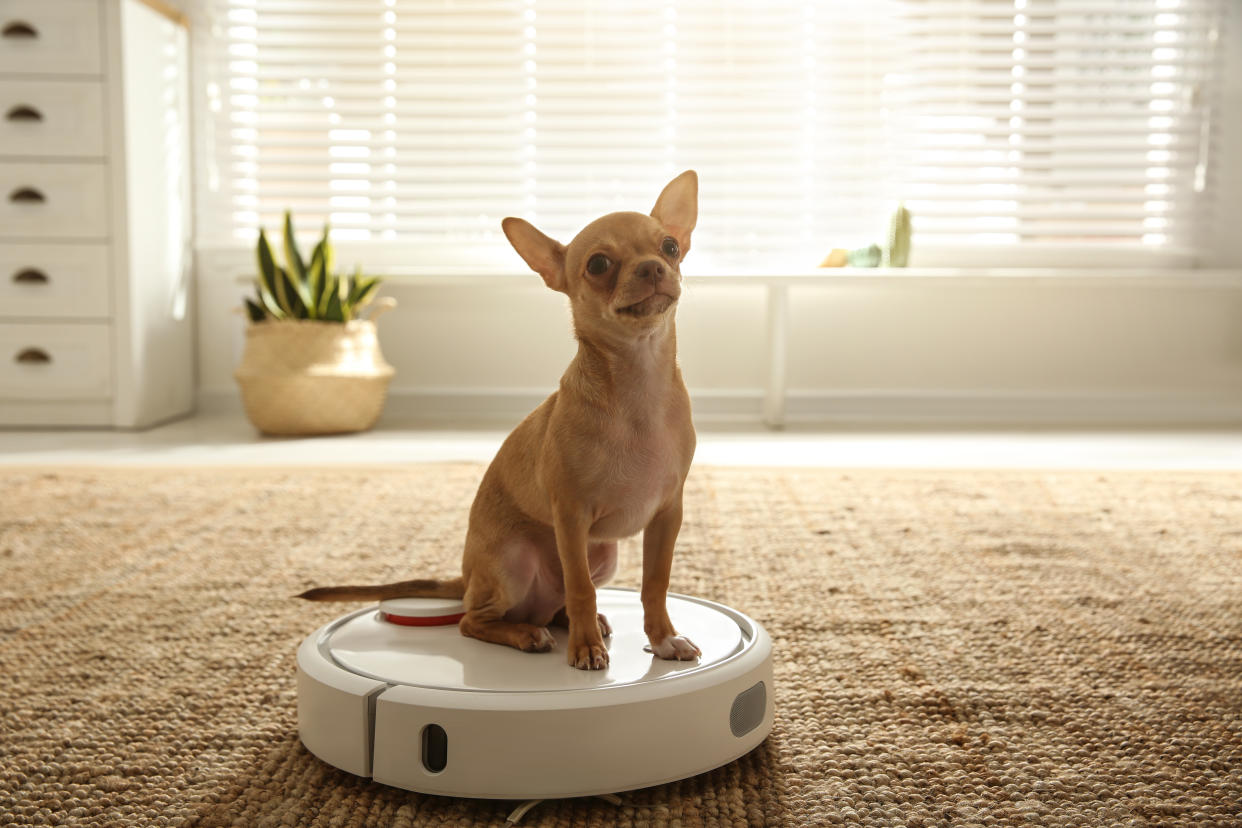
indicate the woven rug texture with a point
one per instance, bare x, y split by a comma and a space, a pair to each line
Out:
951, 648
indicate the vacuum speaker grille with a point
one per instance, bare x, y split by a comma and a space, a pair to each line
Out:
748, 709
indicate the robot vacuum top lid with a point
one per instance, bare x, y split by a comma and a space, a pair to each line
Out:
371, 644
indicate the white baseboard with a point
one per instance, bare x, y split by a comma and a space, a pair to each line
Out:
1015, 409
503, 408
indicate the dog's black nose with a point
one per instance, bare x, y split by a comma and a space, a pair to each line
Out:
651, 269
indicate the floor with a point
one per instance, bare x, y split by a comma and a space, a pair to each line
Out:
227, 439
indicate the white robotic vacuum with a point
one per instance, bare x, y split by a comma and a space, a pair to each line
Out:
394, 692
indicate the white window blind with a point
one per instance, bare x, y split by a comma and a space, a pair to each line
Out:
1023, 124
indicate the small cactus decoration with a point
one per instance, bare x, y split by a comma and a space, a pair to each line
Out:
898, 249
868, 256
895, 253
306, 290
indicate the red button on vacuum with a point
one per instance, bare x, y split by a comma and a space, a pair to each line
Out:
422, 612
417, 621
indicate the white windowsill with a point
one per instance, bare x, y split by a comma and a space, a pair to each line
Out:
844, 275
463, 276
403, 263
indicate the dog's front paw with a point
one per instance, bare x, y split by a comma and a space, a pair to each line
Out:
589, 656
561, 619
676, 648
536, 640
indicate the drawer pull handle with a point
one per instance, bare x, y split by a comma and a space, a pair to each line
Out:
33, 356
30, 276
22, 112
18, 29
27, 195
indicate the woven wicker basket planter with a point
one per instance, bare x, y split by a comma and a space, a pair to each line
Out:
311, 377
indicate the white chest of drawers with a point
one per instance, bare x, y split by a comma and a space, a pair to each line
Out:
95, 316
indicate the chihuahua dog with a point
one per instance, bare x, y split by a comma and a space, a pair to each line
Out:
601, 459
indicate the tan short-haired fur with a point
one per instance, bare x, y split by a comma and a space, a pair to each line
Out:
603, 458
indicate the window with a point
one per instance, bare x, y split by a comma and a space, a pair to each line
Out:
1027, 125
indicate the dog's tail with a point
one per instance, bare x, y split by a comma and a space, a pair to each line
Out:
422, 588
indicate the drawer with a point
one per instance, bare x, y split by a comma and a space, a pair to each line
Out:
55, 362
50, 37
51, 117
49, 200
50, 281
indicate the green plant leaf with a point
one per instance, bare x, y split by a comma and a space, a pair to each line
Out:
272, 307
293, 303
255, 311
293, 259
362, 292
287, 296
267, 265
295, 270
329, 290
335, 313
347, 290
315, 280
266, 280
329, 252
278, 290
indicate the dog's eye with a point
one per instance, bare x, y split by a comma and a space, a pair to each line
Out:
598, 264
670, 247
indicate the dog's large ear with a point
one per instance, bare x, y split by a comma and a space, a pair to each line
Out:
677, 208
544, 255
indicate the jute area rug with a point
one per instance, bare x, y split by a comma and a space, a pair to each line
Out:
972, 648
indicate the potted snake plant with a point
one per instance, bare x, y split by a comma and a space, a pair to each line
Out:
312, 362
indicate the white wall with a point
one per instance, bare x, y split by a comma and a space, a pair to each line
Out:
957, 351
